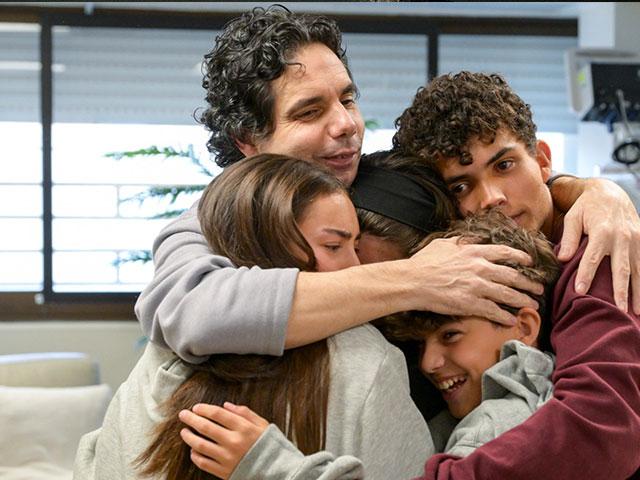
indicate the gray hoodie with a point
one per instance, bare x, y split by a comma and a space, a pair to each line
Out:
512, 390
370, 414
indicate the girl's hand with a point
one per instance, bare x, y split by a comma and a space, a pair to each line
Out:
224, 435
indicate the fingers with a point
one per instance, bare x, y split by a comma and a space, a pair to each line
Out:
224, 417
204, 426
635, 283
508, 296
209, 466
621, 270
510, 277
247, 414
202, 445
571, 236
491, 311
587, 269
495, 253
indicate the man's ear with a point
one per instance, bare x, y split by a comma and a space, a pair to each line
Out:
248, 149
543, 157
528, 325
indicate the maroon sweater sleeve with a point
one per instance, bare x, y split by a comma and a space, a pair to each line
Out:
591, 426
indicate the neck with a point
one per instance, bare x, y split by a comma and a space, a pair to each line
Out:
551, 223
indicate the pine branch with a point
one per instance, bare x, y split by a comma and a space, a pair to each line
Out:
160, 192
143, 256
151, 151
169, 214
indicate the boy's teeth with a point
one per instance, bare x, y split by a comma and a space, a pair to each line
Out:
447, 384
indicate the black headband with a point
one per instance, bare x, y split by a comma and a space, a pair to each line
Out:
394, 195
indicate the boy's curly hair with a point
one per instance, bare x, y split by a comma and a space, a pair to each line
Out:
454, 109
489, 227
253, 50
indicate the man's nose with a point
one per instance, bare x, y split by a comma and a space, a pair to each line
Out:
344, 121
491, 196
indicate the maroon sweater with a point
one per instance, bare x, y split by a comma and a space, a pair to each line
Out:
590, 429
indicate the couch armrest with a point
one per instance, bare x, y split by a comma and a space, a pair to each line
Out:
49, 369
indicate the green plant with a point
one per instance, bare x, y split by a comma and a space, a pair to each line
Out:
172, 192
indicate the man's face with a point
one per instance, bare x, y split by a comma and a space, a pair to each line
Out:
457, 354
315, 114
505, 175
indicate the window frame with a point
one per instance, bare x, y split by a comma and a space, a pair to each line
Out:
119, 305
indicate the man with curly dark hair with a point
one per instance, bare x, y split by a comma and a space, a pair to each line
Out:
481, 136
247, 78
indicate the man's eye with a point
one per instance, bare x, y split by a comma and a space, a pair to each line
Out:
504, 165
307, 114
332, 247
347, 102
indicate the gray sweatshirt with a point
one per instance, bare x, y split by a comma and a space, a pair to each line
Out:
199, 303
512, 390
370, 416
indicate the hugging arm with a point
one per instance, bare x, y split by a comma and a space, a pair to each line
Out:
199, 303
381, 426
603, 211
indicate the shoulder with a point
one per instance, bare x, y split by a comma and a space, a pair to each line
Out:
362, 359
364, 344
566, 302
487, 421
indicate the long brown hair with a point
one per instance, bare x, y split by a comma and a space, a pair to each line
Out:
248, 214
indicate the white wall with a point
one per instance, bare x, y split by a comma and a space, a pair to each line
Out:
115, 345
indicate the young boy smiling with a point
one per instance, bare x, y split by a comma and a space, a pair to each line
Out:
491, 376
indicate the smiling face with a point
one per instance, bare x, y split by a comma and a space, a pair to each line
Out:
315, 115
456, 355
459, 351
330, 226
504, 174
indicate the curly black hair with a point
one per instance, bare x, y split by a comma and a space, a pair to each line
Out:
454, 109
253, 50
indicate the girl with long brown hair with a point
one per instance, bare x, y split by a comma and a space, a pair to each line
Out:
348, 394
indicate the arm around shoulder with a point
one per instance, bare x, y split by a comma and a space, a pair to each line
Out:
199, 303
